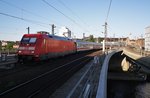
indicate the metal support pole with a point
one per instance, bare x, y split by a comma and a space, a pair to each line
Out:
53, 26
103, 46
28, 30
105, 38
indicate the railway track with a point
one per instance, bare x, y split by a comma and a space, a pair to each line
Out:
30, 66
37, 84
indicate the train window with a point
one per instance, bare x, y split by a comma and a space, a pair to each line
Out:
27, 40
32, 40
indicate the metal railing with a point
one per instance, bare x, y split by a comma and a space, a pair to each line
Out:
102, 88
3, 57
8, 61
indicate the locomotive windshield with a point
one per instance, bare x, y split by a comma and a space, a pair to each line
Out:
27, 40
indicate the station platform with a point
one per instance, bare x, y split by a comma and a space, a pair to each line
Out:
137, 56
142, 59
81, 83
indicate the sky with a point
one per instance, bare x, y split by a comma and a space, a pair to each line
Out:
126, 18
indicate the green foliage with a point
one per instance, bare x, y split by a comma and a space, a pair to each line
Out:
100, 39
10, 45
91, 38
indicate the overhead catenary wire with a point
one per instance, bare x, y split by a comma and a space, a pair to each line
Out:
27, 20
37, 15
59, 11
64, 15
108, 11
21, 8
29, 12
61, 2
105, 27
81, 20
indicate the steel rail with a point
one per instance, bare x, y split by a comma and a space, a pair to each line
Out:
68, 71
40, 76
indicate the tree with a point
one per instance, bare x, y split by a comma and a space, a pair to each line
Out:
100, 39
91, 38
10, 45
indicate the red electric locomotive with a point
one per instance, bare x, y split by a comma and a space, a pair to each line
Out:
42, 46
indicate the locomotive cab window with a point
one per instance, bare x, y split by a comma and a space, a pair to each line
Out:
32, 40
26, 40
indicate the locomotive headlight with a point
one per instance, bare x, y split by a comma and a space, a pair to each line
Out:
32, 51
21, 48
19, 51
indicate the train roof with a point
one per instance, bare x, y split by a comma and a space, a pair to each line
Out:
58, 37
53, 36
48, 35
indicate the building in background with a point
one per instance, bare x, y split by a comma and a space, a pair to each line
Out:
16, 45
147, 38
140, 42
4, 44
